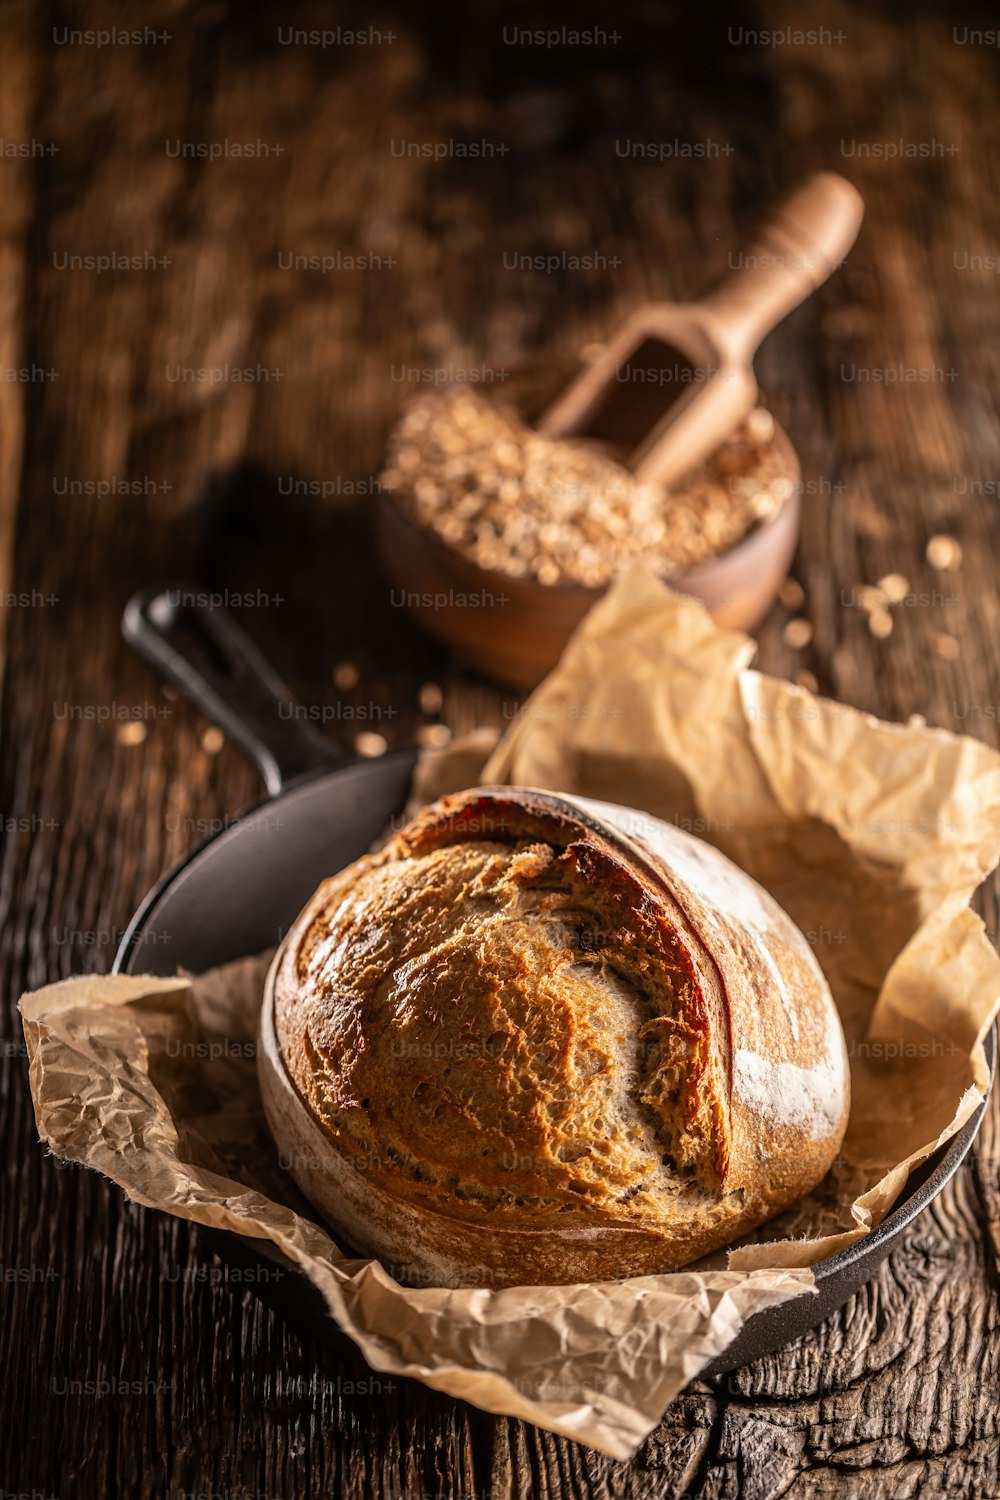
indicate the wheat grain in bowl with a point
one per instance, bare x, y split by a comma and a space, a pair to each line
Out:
514, 501
537, 1039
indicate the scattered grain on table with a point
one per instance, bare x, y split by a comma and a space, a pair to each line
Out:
944, 553
894, 587
792, 594
434, 735
870, 597
370, 744
944, 645
797, 633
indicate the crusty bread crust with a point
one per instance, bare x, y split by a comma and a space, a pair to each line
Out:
537, 1039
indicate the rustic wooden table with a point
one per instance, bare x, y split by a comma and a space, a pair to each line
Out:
887, 382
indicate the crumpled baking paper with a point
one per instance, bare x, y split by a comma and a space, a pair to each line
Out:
873, 837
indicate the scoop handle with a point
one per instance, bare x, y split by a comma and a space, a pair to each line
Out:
797, 249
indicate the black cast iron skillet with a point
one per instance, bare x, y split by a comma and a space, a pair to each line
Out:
239, 891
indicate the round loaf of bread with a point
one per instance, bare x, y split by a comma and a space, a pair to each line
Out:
537, 1039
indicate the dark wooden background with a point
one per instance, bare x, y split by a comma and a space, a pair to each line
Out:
896, 1396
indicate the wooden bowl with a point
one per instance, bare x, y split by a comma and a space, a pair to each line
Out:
515, 629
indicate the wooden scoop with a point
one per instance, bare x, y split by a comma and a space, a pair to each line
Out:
678, 378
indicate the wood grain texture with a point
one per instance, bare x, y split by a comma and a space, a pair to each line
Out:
898, 1394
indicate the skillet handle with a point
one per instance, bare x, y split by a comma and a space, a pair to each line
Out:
202, 651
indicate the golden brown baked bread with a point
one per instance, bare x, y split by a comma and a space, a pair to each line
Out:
537, 1039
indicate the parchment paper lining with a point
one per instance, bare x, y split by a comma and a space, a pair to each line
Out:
873, 837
